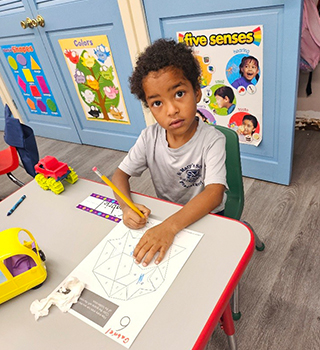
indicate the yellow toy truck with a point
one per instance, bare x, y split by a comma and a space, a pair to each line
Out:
50, 173
21, 264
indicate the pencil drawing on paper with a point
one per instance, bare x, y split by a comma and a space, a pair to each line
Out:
116, 282
121, 277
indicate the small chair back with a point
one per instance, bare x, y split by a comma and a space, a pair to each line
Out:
9, 160
235, 201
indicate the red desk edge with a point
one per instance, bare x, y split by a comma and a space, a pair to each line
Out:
226, 295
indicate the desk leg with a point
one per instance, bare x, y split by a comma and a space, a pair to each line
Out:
228, 326
236, 314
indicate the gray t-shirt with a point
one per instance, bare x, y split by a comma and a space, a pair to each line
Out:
179, 174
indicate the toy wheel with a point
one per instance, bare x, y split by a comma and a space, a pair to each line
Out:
41, 181
72, 177
38, 286
55, 186
41, 254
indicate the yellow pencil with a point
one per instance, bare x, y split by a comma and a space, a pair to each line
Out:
118, 192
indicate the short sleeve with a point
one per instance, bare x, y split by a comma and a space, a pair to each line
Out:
135, 162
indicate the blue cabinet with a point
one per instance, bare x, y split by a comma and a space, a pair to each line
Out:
91, 102
72, 84
280, 20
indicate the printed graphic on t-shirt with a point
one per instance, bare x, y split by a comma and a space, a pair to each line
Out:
190, 175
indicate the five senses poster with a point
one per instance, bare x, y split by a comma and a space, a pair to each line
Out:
231, 61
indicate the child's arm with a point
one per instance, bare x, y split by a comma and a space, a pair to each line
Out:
160, 237
130, 218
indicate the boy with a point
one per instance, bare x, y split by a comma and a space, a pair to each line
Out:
185, 156
225, 96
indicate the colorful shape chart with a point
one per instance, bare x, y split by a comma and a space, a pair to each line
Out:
12, 62
51, 105
34, 91
22, 84
30, 78
21, 59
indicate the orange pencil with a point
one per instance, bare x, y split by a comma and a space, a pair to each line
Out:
118, 192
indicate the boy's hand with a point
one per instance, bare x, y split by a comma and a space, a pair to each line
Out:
132, 220
157, 239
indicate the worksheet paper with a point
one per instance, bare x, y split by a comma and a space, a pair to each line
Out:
121, 295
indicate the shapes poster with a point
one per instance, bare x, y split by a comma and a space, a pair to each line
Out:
31, 79
95, 78
120, 295
231, 61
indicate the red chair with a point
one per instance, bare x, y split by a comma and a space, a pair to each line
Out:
9, 161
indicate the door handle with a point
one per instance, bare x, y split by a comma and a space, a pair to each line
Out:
40, 21
32, 23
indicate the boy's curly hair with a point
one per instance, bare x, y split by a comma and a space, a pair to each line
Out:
161, 54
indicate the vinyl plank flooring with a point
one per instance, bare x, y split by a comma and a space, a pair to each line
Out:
279, 297
291, 303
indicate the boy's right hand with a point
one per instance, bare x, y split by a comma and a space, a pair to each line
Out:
132, 220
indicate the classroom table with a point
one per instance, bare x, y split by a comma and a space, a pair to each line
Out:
185, 317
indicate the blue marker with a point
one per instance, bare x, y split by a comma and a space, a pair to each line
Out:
16, 205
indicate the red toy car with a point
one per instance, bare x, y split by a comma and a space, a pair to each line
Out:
50, 173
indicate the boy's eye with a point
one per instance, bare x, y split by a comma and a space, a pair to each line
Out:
156, 104
179, 94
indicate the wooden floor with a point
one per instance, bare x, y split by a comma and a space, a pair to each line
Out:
280, 290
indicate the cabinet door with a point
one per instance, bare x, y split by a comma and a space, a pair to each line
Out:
29, 76
271, 160
85, 40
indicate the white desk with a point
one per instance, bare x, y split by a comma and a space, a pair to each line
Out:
66, 234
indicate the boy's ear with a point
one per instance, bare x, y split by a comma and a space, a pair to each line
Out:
198, 94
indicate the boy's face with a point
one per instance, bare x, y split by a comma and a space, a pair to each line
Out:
250, 69
173, 103
223, 102
248, 127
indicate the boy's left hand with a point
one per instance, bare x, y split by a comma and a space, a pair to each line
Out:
157, 239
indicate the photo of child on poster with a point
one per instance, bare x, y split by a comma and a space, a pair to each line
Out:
231, 60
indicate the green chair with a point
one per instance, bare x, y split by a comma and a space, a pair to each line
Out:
235, 201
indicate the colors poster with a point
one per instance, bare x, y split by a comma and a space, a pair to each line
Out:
231, 61
95, 78
30, 78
